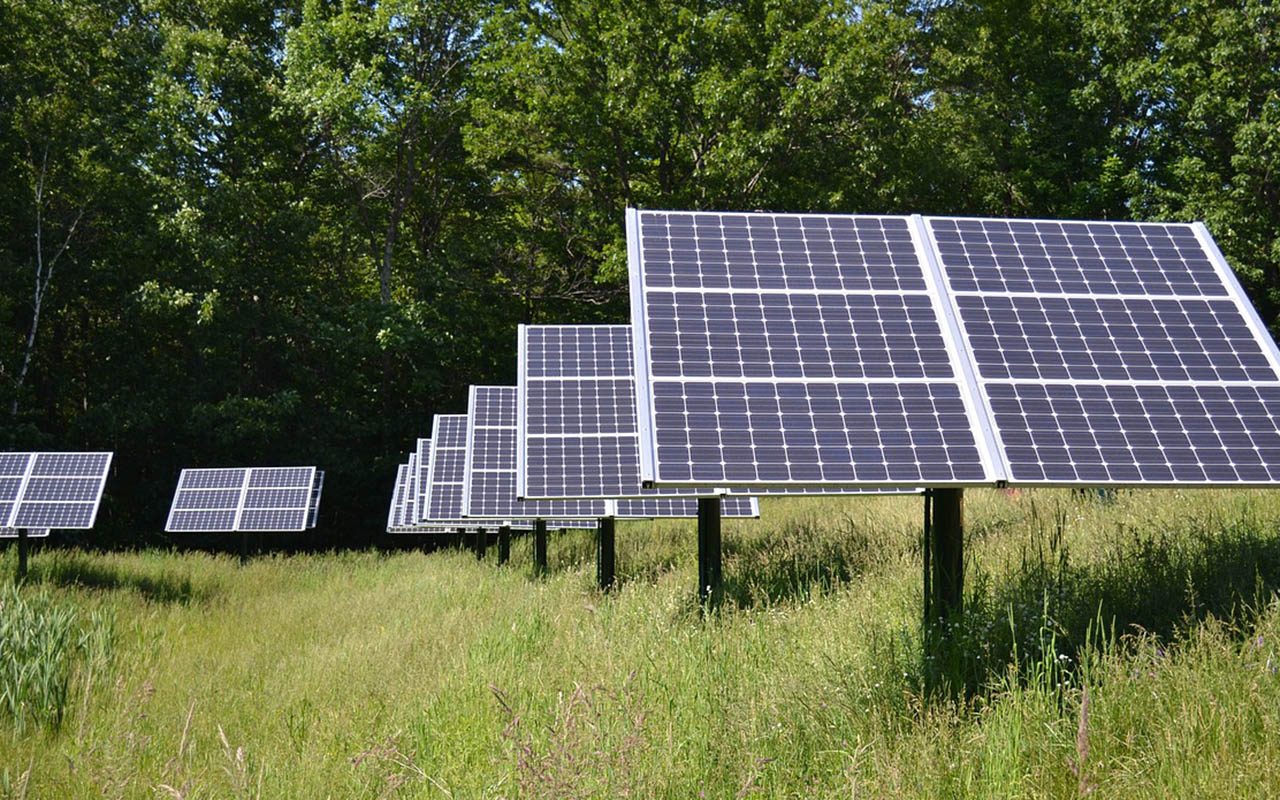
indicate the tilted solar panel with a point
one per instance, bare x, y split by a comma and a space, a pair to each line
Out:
51, 490
490, 472
317, 488
396, 508
796, 350
244, 499
1113, 353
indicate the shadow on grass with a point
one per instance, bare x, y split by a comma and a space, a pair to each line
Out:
73, 571
805, 558
1050, 608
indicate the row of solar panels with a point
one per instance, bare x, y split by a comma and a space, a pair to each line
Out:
802, 354
465, 476
40, 491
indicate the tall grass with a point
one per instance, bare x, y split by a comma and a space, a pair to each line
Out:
1125, 648
41, 644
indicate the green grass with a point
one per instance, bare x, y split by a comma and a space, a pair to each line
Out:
362, 675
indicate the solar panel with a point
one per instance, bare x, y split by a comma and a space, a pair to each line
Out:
678, 507
51, 490
32, 533
490, 472
1113, 353
577, 428
797, 350
423, 483
447, 471
396, 509
245, 499
317, 488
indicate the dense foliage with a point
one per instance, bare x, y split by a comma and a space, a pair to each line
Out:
234, 231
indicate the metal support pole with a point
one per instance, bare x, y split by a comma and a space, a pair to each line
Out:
709, 573
462, 538
23, 544
946, 578
605, 554
504, 544
482, 543
540, 546
244, 548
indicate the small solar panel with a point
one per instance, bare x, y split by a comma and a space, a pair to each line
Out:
796, 350
396, 509
1113, 352
51, 490
490, 472
317, 488
245, 499
32, 533
446, 475
680, 507
423, 479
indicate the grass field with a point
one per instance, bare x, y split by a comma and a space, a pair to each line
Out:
1117, 649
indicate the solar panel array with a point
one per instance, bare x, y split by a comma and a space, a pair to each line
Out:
51, 490
787, 349
246, 499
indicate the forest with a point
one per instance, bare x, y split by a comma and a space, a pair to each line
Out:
239, 232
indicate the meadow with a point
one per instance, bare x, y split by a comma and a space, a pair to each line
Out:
1110, 647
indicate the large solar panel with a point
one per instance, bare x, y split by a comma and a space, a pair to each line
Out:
1113, 353
245, 499
490, 472
51, 490
797, 350
578, 434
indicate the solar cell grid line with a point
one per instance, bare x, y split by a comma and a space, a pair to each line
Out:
796, 350
489, 488
1113, 353
576, 419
